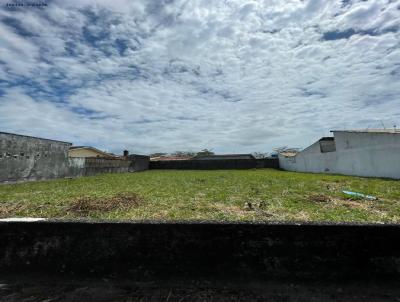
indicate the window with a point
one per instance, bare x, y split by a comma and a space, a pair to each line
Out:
327, 144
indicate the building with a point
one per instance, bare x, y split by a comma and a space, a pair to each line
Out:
371, 153
224, 156
86, 151
25, 157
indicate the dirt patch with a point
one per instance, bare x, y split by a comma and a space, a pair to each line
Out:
319, 198
355, 205
85, 205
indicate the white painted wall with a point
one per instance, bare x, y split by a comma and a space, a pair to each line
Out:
357, 153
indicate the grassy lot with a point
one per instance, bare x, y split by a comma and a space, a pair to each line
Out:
229, 195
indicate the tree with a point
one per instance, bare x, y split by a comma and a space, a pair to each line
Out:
204, 152
260, 155
157, 154
183, 154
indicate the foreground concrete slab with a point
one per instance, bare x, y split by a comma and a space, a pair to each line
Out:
53, 288
184, 261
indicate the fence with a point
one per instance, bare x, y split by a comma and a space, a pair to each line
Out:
93, 165
216, 164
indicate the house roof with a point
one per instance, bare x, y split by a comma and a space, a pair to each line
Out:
93, 149
288, 153
392, 131
45, 139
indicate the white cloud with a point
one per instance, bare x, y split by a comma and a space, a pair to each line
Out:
233, 76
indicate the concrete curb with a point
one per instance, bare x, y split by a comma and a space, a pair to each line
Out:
148, 250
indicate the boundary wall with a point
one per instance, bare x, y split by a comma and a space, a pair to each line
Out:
216, 164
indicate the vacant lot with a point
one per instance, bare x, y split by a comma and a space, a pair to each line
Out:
245, 195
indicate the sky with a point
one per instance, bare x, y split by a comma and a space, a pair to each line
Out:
230, 76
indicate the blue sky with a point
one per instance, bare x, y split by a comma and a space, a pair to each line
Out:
232, 76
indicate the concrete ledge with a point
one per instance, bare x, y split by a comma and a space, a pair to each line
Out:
143, 250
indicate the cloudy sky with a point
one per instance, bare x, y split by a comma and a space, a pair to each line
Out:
231, 76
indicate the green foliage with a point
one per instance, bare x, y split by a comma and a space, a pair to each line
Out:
225, 195
158, 154
204, 152
183, 153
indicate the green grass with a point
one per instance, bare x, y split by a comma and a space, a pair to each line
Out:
228, 195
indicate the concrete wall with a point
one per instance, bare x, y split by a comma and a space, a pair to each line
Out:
216, 164
369, 154
310, 159
139, 162
76, 166
359, 154
211, 250
31, 158
81, 166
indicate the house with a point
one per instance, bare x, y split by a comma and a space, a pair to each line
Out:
370, 152
86, 151
223, 157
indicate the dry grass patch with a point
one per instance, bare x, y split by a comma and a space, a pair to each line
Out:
319, 198
10, 209
354, 204
302, 216
331, 186
246, 211
86, 205
361, 204
231, 210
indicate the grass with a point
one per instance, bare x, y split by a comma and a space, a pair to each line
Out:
227, 195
